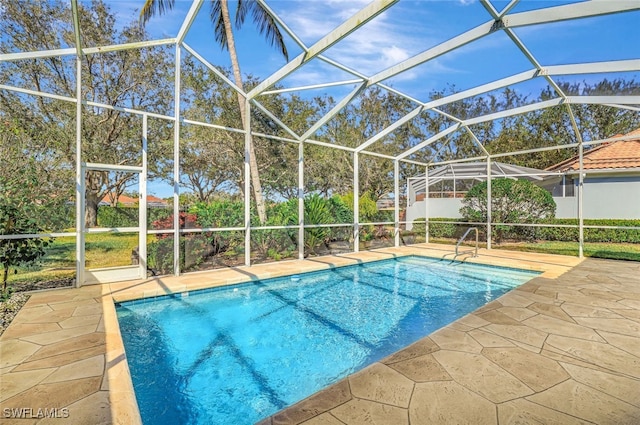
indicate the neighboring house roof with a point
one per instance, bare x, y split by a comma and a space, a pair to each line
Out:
125, 200
618, 155
154, 201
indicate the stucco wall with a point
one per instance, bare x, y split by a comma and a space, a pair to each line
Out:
612, 197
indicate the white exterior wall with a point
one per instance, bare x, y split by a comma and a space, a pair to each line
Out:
567, 207
612, 197
604, 197
438, 207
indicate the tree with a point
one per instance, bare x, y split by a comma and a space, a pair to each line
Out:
25, 208
135, 78
512, 201
223, 34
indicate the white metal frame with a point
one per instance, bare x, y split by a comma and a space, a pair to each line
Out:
497, 21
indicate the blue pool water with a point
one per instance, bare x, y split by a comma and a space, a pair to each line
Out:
235, 355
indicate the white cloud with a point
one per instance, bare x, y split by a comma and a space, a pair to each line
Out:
382, 42
394, 54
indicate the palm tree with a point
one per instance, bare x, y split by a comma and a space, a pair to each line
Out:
223, 33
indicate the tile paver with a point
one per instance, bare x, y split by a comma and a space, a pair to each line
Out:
563, 348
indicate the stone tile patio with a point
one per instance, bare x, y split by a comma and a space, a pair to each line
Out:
563, 348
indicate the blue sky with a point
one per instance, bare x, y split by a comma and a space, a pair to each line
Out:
406, 29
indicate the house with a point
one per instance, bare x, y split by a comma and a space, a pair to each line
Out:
128, 201
611, 181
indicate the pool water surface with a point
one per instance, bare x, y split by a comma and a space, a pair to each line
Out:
237, 354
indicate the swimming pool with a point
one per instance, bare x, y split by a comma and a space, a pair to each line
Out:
237, 354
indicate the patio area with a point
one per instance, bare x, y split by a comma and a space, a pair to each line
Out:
562, 348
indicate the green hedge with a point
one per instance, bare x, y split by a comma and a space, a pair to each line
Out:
441, 228
128, 216
591, 235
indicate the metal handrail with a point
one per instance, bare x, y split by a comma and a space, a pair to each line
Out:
462, 239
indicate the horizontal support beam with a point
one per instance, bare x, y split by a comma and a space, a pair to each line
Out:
216, 126
568, 11
96, 166
8, 57
514, 111
598, 100
485, 88
592, 67
37, 93
128, 46
312, 87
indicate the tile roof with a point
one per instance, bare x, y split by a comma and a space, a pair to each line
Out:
128, 200
617, 155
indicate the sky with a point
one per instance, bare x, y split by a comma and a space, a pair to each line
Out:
404, 30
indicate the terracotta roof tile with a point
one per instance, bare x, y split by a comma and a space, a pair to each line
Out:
609, 155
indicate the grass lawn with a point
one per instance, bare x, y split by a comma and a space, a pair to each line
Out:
114, 249
615, 251
102, 250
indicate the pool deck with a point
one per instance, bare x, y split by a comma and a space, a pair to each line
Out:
562, 348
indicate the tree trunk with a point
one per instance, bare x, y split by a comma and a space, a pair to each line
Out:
91, 209
94, 182
253, 163
5, 277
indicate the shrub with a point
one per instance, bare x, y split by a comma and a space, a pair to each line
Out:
512, 201
591, 235
185, 221
341, 212
223, 213
24, 210
316, 211
128, 216
160, 252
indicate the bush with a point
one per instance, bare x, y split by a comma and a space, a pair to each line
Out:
440, 228
128, 216
219, 213
512, 201
194, 248
24, 210
316, 211
341, 212
591, 235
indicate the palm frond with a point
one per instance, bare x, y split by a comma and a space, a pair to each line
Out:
264, 22
218, 24
243, 8
154, 7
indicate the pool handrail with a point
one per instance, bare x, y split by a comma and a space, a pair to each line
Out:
463, 238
